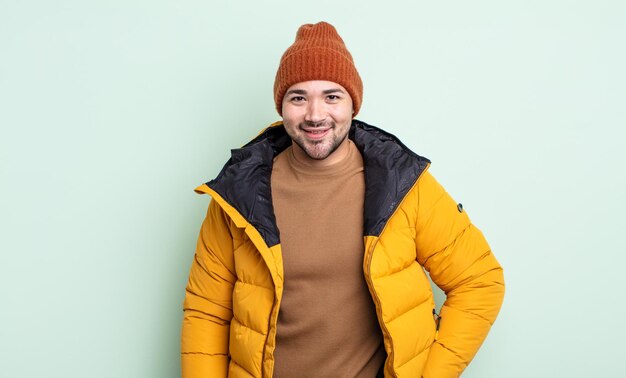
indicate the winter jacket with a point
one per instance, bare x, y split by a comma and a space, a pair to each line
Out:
410, 225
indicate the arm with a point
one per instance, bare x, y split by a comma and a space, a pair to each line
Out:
208, 300
460, 262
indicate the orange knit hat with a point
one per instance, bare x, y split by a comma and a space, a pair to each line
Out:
318, 53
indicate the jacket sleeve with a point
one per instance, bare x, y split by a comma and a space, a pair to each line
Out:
460, 262
208, 300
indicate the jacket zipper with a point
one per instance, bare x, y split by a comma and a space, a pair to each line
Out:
269, 326
368, 279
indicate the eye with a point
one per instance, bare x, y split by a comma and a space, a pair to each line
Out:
297, 99
333, 98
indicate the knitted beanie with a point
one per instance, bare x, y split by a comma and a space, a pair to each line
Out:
318, 53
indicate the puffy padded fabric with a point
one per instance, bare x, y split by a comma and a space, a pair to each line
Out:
236, 279
208, 301
461, 263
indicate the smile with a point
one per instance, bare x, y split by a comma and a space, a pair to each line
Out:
316, 133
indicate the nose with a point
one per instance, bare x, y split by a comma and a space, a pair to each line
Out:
315, 112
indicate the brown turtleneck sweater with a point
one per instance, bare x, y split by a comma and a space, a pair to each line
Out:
327, 324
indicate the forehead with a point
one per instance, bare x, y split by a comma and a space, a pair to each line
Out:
313, 86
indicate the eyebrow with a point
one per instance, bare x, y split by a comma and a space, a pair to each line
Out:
303, 92
334, 90
296, 91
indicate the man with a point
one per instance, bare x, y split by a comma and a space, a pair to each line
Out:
310, 262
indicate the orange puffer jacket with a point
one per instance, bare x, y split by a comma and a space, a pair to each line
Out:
411, 225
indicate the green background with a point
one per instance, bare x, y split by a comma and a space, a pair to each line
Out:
111, 112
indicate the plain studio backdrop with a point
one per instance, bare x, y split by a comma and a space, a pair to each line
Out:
111, 112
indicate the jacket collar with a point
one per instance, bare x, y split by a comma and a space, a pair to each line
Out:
391, 170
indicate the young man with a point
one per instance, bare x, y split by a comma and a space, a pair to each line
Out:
310, 262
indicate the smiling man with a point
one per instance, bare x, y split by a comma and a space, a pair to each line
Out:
311, 261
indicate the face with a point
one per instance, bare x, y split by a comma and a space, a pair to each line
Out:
317, 116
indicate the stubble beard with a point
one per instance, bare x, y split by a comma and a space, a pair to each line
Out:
320, 150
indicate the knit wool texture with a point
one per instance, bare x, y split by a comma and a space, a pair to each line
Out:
318, 53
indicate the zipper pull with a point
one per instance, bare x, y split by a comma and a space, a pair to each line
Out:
437, 323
